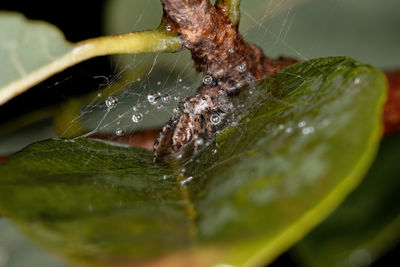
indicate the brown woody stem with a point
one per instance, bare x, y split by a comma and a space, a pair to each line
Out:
217, 47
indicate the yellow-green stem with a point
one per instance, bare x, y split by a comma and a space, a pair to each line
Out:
233, 9
153, 41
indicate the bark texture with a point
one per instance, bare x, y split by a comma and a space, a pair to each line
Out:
217, 47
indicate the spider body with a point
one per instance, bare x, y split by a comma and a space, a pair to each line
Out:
198, 114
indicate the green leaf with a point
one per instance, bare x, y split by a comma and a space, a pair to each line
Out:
303, 140
25, 47
367, 224
31, 51
314, 28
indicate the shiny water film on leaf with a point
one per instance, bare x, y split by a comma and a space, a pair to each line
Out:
241, 200
367, 224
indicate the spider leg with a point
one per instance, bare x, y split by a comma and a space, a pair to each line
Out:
196, 131
161, 139
181, 133
207, 121
230, 108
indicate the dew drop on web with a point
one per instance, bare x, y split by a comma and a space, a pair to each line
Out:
242, 67
215, 119
153, 98
176, 111
308, 130
165, 98
207, 80
137, 117
302, 124
200, 141
119, 132
111, 102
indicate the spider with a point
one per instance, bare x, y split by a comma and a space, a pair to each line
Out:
198, 114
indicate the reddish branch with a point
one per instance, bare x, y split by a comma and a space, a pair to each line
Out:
391, 114
217, 47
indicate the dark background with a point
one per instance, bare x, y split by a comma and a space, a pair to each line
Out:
80, 20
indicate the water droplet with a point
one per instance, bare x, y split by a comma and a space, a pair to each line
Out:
137, 117
360, 258
165, 177
200, 141
308, 130
153, 98
180, 80
187, 180
176, 111
160, 106
111, 102
168, 28
158, 83
231, 50
215, 151
135, 108
99, 94
119, 132
302, 124
242, 67
183, 170
357, 80
215, 119
138, 79
165, 98
289, 130
207, 79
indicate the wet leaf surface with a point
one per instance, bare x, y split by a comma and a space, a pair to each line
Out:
366, 224
302, 141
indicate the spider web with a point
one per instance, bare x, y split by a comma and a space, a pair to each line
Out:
144, 89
